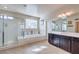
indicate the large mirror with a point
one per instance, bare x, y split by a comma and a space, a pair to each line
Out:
68, 24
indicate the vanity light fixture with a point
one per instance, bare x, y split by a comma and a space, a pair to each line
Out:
69, 13
66, 14
59, 15
63, 15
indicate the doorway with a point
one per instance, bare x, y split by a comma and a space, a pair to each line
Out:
77, 27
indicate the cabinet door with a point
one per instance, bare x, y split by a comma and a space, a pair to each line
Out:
50, 38
1, 32
75, 46
54, 39
65, 43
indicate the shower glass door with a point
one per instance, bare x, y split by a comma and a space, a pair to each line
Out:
10, 30
1, 32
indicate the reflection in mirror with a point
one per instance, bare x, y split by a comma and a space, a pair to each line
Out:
59, 25
68, 24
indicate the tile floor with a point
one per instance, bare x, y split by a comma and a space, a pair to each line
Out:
42, 47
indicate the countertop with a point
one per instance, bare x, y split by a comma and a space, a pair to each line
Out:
67, 34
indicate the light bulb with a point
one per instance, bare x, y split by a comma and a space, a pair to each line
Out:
63, 15
59, 15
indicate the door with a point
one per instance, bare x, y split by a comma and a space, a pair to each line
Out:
10, 31
65, 43
56, 39
1, 32
77, 27
75, 46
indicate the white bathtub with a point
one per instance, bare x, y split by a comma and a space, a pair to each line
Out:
26, 40
31, 38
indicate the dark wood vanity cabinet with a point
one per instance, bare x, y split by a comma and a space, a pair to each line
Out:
75, 45
70, 44
50, 38
65, 43
54, 40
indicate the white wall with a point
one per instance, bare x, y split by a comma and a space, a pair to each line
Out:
42, 25
1, 31
31, 9
49, 26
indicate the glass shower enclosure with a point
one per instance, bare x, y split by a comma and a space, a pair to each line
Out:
8, 30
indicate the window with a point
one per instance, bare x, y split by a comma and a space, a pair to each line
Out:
28, 27
6, 17
64, 27
32, 24
21, 25
53, 26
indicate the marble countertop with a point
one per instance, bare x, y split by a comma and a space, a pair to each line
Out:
67, 34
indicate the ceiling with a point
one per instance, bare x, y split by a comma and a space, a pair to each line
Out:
40, 10
66, 8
